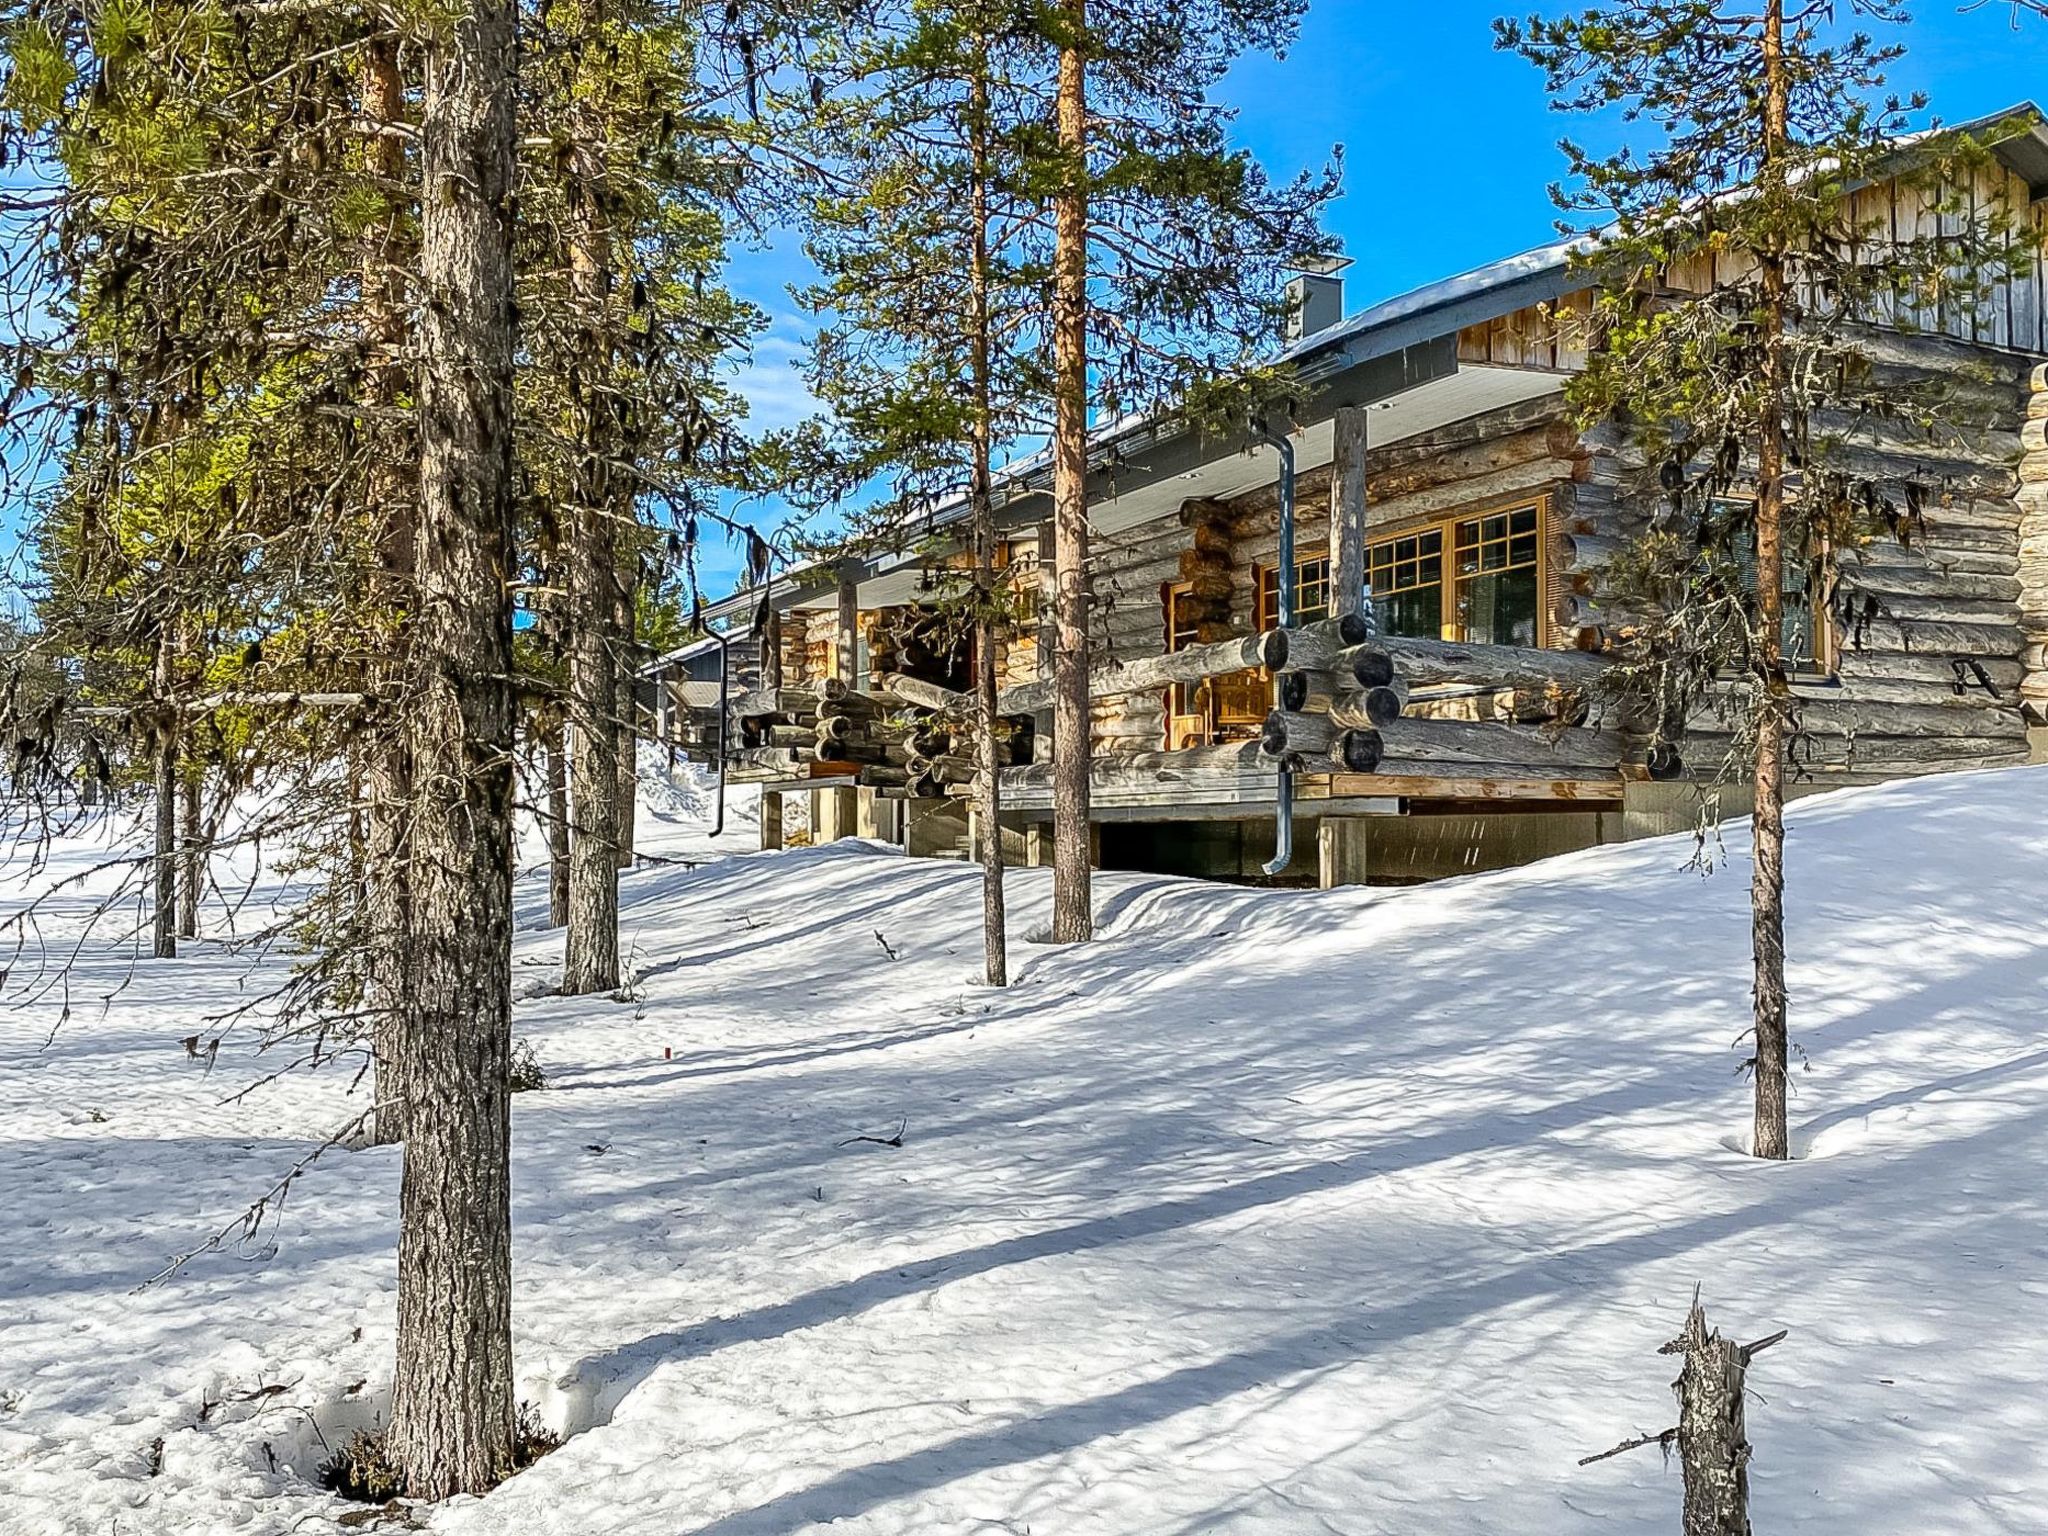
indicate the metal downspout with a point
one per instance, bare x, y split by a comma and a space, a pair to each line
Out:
1283, 793
724, 719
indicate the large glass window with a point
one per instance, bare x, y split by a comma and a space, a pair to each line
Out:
1406, 578
1475, 578
1497, 576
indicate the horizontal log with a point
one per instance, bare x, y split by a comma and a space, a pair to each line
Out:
1367, 708
1423, 662
1290, 737
1189, 768
1535, 748
1931, 635
786, 702
1887, 582
1310, 647
924, 695
1184, 666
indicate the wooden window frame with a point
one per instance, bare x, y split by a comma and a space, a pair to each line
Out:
1826, 661
1446, 524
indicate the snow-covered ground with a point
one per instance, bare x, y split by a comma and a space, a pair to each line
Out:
1354, 1212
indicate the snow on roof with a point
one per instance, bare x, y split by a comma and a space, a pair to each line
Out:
2026, 153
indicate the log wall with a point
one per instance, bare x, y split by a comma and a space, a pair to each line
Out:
1951, 633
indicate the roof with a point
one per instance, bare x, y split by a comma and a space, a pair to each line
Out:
1417, 318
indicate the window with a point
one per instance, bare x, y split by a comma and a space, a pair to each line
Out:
1802, 632
1475, 578
1180, 634
1311, 591
1406, 579
1497, 573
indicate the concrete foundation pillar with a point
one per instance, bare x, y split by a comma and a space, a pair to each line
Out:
771, 819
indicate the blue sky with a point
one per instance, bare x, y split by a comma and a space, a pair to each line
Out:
1450, 148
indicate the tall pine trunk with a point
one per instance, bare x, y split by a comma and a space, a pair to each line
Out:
623, 627
1073, 918
1767, 885
164, 866
555, 748
387, 775
989, 790
191, 860
452, 1405
590, 951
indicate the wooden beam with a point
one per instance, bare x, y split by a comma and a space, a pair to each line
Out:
912, 690
1416, 782
1347, 511
1184, 666
846, 655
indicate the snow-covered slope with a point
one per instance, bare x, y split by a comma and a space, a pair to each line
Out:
1354, 1212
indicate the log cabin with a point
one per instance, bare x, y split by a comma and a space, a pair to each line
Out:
1415, 705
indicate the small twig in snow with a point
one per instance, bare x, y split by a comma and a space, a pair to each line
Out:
880, 1141
891, 953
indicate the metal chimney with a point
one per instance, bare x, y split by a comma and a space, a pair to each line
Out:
1315, 297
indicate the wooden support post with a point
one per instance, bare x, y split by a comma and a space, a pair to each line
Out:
1341, 851
771, 820
847, 657
833, 814
1347, 511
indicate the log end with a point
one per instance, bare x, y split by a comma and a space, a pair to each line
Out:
1273, 735
1353, 628
1272, 648
1664, 762
1293, 690
1382, 706
1361, 751
1373, 668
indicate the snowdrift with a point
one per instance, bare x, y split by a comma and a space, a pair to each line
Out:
1360, 1212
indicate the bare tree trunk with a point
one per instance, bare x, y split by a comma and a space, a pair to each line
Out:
387, 771
164, 865
625, 627
1073, 917
192, 860
556, 750
1767, 884
1713, 1440
989, 789
590, 952
452, 1406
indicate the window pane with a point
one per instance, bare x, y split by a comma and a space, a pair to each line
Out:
1418, 611
1406, 579
1499, 608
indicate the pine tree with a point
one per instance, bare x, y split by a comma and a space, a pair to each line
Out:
1167, 252
1736, 388
625, 189
922, 142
